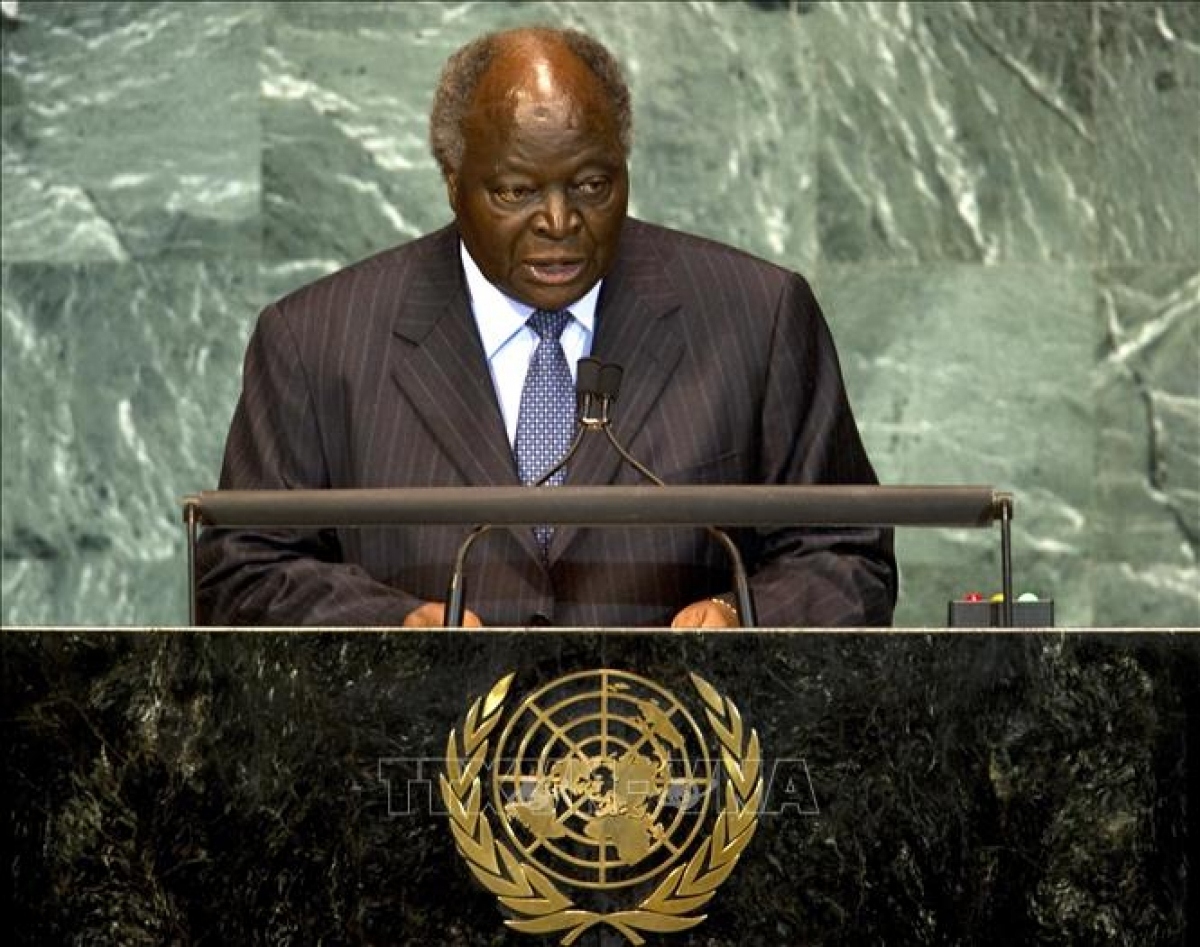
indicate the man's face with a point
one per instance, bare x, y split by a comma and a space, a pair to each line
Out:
542, 190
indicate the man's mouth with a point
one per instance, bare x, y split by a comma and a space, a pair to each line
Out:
554, 272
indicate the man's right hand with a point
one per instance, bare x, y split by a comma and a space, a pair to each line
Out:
433, 615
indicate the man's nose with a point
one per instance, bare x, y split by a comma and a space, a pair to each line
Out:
558, 217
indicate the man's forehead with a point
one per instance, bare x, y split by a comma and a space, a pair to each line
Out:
528, 117
538, 81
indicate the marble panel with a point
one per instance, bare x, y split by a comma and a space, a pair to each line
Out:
345, 91
1146, 531
967, 374
725, 119
118, 383
130, 131
1148, 124
958, 132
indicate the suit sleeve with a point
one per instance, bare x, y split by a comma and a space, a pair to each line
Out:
283, 577
815, 577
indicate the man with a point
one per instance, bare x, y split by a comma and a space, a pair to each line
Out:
411, 368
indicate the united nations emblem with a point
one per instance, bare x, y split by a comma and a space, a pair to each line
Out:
606, 792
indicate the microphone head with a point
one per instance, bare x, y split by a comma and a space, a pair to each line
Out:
610, 381
587, 387
587, 376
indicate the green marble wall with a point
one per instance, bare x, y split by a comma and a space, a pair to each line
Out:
998, 204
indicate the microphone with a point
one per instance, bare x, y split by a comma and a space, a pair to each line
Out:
588, 374
609, 384
589, 403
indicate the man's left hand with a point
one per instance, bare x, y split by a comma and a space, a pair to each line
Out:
707, 614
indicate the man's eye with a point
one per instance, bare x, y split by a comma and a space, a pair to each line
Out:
592, 187
512, 195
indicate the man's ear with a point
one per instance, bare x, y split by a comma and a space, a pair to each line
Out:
452, 190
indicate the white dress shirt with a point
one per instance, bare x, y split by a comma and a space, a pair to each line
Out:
509, 343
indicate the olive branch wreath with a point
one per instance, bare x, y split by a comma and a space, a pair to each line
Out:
526, 891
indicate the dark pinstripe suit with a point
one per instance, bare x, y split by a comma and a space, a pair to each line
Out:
375, 377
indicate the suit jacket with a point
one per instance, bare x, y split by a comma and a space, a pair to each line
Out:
375, 377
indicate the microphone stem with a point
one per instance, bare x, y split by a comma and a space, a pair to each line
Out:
456, 596
630, 459
541, 481
741, 585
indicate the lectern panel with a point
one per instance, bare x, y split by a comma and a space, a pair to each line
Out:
172, 786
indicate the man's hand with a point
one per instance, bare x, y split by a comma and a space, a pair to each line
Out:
433, 614
710, 613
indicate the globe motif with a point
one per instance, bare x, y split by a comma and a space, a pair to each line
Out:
602, 779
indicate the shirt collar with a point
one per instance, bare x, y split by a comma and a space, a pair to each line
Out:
500, 317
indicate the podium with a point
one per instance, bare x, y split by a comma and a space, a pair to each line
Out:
281, 786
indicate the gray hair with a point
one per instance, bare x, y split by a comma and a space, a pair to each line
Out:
463, 70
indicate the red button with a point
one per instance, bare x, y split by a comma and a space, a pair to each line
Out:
973, 597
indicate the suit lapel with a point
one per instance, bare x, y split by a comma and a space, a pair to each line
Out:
443, 372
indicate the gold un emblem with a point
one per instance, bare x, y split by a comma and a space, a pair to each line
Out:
605, 792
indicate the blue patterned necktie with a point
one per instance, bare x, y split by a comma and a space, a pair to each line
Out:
546, 422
